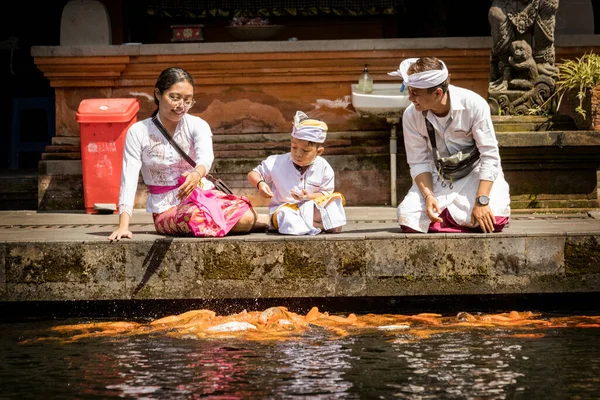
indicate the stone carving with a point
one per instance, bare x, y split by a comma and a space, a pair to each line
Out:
522, 70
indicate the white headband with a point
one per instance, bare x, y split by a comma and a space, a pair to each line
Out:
309, 129
420, 80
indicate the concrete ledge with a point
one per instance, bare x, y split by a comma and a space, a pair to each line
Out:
369, 259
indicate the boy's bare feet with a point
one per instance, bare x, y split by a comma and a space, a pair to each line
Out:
262, 223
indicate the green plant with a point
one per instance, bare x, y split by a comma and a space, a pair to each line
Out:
580, 75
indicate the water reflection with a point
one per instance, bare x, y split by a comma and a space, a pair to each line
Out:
461, 365
315, 367
216, 371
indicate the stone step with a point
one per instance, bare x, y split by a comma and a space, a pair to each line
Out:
527, 123
257, 146
19, 189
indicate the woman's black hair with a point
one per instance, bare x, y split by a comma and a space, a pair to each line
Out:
168, 78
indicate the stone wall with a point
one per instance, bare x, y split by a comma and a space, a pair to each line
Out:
372, 264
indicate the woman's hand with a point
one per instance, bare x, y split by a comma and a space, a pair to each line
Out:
120, 234
192, 179
123, 229
483, 216
432, 208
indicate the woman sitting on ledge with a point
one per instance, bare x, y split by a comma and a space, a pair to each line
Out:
182, 201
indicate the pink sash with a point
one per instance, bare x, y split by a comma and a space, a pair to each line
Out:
207, 200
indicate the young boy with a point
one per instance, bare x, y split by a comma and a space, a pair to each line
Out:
300, 183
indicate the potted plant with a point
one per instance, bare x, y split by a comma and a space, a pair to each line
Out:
579, 79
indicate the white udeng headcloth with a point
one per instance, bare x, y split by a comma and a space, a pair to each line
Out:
305, 128
420, 80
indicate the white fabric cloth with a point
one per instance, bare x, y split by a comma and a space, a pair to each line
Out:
305, 128
148, 151
297, 222
279, 173
332, 214
300, 221
420, 80
470, 122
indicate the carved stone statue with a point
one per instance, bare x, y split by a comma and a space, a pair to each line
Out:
522, 70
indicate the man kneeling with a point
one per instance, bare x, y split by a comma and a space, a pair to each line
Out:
457, 119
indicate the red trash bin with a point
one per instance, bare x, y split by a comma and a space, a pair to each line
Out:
103, 128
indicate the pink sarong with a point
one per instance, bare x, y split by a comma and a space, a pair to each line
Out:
205, 213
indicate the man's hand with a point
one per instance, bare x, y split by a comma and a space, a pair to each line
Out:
483, 216
432, 208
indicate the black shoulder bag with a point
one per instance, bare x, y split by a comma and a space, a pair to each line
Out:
219, 184
457, 165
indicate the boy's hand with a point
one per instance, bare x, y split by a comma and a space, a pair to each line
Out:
265, 190
300, 196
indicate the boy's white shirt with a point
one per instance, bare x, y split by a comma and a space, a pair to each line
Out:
281, 175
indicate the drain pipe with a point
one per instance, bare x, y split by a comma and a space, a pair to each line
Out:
393, 150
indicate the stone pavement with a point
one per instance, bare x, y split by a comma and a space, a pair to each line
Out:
50, 256
33, 226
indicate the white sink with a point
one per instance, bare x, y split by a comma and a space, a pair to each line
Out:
385, 101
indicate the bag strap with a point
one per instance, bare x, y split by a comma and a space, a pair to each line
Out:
430, 131
182, 153
439, 165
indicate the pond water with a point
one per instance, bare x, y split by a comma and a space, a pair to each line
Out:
275, 353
